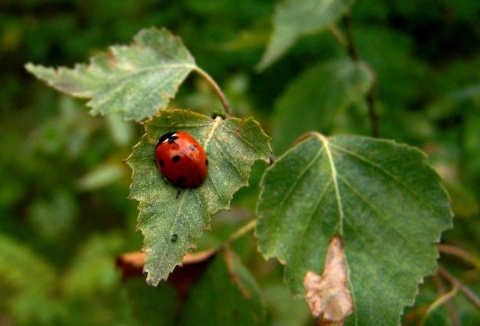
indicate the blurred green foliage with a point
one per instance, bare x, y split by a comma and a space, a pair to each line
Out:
64, 216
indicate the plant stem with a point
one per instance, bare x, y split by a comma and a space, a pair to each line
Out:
460, 253
371, 99
460, 286
371, 96
217, 90
337, 33
443, 299
243, 230
446, 299
352, 49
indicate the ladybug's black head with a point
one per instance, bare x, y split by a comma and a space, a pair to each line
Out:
166, 136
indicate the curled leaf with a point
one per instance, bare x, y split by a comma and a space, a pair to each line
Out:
328, 295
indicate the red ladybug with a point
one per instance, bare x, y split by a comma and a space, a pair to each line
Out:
181, 159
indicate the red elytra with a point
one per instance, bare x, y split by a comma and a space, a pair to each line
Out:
181, 159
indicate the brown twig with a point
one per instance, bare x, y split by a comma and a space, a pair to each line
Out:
448, 303
372, 113
460, 286
352, 49
460, 253
372, 94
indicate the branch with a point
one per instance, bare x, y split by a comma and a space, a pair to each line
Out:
351, 47
371, 99
460, 253
445, 298
460, 286
372, 94
243, 230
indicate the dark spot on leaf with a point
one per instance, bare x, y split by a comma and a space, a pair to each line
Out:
174, 237
176, 158
206, 162
181, 180
192, 147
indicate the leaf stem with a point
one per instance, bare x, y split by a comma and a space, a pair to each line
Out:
242, 231
448, 303
460, 253
352, 49
441, 300
371, 100
460, 286
337, 33
372, 94
217, 90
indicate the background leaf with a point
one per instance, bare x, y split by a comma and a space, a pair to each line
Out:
25, 265
381, 197
151, 306
320, 99
232, 146
296, 18
226, 294
138, 79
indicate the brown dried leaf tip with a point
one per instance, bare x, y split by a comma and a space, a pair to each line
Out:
327, 295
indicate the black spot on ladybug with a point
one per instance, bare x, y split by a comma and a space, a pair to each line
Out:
162, 163
181, 180
206, 162
174, 237
166, 136
176, 158
172, 138
192, 147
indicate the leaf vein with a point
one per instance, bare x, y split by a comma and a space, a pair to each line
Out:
333, 169
390, 175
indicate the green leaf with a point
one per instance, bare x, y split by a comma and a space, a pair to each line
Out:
23, 266
296, 18
319, 99
379, 196
137, 80
172, 219
151, 306
54, 217
93, 270
226, 294
27, 279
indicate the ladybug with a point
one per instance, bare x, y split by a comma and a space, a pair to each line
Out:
181, 159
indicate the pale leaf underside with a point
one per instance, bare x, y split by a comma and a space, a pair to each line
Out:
137, 80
